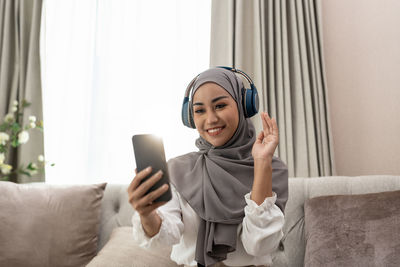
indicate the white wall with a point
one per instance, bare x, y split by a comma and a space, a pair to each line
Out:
362, 58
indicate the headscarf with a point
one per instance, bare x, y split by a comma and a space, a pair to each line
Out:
214, 180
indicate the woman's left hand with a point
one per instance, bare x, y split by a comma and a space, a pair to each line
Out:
267, 141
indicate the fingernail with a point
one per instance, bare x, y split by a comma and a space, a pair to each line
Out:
148, 168
160, 172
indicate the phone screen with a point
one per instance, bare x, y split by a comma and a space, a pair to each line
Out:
149, 151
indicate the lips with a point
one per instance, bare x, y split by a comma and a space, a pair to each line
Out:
215, 131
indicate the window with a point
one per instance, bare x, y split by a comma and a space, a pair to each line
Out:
112, 69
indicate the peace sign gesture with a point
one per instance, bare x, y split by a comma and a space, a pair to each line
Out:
267, 141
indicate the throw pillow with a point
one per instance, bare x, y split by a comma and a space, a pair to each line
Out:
353, 230
49, 225
121, 251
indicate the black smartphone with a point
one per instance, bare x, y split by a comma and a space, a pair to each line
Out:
149, 151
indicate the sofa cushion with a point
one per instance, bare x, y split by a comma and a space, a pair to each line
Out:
122, 251
301, 189
353, 230
49, 225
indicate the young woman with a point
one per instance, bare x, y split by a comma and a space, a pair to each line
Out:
228, 197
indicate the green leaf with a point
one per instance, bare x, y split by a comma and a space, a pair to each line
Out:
25, 103
30, 167
52, 164
4, 126
25, 172
5, 178
15, 127
14, 143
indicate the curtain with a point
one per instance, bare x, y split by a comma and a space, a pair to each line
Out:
112, 69
279, 44
20, 76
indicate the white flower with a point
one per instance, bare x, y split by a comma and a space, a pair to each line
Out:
14, 109
33, 172
5, 168
9, 118
15, 103
4, 138
2, 158
32, 118
40, 158
35, 169
23, 137
32, 124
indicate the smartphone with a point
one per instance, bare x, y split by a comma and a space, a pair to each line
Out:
149, 151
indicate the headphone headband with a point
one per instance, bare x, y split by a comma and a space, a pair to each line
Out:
240, 72
189, 87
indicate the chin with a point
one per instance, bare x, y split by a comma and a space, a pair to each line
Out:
218, 143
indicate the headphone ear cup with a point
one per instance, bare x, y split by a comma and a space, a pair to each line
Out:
187, 116
247, 102
254, 100
185, 112
250, 102
191, 120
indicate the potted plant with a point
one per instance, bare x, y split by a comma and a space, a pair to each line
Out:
14, 134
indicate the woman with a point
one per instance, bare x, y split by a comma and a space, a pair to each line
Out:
229, 197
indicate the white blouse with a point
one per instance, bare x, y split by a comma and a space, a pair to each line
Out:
258, 235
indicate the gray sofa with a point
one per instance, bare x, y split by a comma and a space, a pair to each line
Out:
117, 212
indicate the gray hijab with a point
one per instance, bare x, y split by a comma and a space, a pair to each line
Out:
214, 180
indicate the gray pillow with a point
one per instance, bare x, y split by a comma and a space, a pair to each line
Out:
353, 230
49, 225
122, 251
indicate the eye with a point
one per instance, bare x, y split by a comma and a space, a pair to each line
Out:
199, 111
220, 106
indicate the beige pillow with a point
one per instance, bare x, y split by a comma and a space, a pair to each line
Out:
49, 225
121, 251
353, 230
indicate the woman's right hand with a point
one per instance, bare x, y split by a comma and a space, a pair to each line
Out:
140, 201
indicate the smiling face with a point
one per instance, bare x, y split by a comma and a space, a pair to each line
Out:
215, 114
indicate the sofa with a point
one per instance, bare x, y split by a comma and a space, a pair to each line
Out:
316, 198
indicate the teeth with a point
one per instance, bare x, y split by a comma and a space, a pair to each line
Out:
214, 130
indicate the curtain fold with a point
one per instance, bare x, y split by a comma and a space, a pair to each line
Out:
20, 76
279, 44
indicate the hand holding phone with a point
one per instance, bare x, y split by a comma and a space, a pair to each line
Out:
144, 203
149, 152
150, 187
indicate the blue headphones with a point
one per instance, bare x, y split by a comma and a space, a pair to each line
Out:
250, 100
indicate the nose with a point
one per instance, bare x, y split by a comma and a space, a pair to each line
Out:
212, 117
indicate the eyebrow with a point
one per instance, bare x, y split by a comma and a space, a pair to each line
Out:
212, 101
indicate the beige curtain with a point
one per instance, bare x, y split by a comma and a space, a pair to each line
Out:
279, 44
20, 73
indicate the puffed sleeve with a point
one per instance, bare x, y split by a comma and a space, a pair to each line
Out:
171, 226
261, 226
